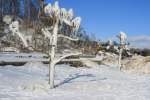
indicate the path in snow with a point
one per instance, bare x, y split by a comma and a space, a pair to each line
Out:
29, 82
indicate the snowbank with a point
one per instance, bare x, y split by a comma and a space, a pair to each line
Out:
89, 63
35, 67
110, 59
137, 64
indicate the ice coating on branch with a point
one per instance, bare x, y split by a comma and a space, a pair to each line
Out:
46, 33
56, 5
76, 23
70, 13
14, 28
122, 36
7, 19
52, 11
63, 13
65, 16
48, 9
110, 42
56, 9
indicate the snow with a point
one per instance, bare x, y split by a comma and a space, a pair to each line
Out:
29, 82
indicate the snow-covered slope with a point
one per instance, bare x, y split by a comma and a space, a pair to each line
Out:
29, 82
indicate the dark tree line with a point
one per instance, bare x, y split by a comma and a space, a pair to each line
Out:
142, 52
10, 7
27, 9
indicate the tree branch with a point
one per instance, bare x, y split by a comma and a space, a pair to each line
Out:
46, 33
65, 56
67, 37
67, 22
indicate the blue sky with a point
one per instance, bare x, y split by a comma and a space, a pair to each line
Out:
105, 18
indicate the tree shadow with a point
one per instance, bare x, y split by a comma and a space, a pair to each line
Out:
76, 76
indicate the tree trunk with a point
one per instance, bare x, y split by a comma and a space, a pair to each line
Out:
1, 10
41, 10
120, 56
27, 10
14, 6
52, 55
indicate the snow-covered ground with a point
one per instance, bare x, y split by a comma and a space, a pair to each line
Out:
29, 82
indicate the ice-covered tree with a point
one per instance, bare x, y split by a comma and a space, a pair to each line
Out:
122, 38
109, 44
60, 16
14, 28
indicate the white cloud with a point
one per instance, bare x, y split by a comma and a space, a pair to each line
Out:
140, 41
139, 38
